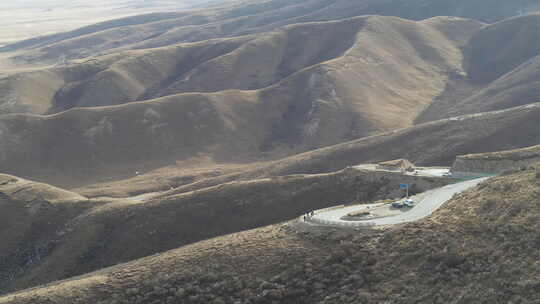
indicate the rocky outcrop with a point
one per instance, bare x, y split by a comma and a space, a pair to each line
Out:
496, 162
396, 165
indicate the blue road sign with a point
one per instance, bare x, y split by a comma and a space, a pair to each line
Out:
403, 186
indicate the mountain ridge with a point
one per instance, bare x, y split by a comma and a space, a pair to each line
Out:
160, 140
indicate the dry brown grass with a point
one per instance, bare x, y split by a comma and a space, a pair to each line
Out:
364, 83
380, 75
234, 105
105, 232
499, 161
515, 154
479, 242
162, 179
244, 17
501, 67
387, 70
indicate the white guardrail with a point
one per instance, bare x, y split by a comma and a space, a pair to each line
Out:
314, 220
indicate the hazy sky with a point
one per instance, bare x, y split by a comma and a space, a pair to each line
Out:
21, 19
85, 3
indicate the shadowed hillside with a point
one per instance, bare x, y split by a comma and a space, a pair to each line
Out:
378, 79
388, 71
372, 60
436, 143
246, 17
255, 98
34, 216
108, 80
45, 242
502, 71
501, 47
173, 128
96, 146
500, 161
477, 242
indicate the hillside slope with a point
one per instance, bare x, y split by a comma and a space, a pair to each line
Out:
256, 98
499, 161
174, 128
318, 93
501, 64
242, 18
473, 249
97, 146
105, 232
435, 143
374, 63
33, 218
369, 59
107, 80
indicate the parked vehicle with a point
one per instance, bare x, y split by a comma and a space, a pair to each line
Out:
397, 205
408, 203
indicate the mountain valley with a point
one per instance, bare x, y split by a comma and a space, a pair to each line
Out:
174, 157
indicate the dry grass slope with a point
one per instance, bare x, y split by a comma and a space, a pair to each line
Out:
240, 18
379, 78
33, 218
222, 102
501, 67
436, 143
497, 162
60, 241
421, 51
480, 247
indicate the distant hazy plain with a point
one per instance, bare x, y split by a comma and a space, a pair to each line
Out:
21, 19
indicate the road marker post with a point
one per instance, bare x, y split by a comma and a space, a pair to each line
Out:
406, 187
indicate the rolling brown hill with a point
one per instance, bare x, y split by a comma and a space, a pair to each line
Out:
435, 143
97, 147
245, 17
256, 98
499, 161
33, 216
108, 80
501, 64
516, 154
173, 128
473, 249
499, 48
321, 92
450, 59
367, 59
61, 234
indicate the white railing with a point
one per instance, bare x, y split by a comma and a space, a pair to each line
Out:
319, 221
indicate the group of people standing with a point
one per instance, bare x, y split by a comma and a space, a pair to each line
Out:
309, 215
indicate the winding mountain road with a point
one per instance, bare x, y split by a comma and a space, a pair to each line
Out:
427, 203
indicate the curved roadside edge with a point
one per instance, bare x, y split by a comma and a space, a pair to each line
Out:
433, 199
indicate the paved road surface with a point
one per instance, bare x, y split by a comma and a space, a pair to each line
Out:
420, 171
431, 200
